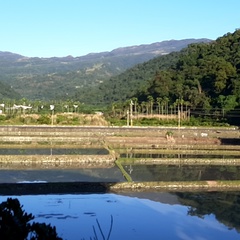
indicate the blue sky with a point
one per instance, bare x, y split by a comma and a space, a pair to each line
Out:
48, 28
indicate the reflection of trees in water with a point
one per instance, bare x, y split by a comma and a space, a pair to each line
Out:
183, 173
15, 223
224, 205
55, 151
104, 237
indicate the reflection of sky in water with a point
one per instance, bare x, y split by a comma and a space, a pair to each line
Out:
75, 215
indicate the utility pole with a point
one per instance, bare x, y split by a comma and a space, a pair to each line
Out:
179, 119
131, 113
52, 109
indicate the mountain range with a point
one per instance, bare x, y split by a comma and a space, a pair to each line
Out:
64, 77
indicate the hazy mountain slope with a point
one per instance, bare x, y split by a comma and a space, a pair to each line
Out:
203, 74
127, 84
6, 92
51, 78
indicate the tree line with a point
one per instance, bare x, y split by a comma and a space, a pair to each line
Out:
203, 78
206, 76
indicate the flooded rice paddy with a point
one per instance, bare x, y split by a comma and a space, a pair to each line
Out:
128, 215
53, 151
142, 216
30, 171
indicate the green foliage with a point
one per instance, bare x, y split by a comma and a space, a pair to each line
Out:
148, 122
123, 171
61, 119
116, 121
58, 78
15, 223
28, 120
203, 76
2, 118
69, 120
7, 92
224, 205
169, 133
44, 119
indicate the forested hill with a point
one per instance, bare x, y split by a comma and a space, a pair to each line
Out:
6, 92
125, 85
203, 75
52, 78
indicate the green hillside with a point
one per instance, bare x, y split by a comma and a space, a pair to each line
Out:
6, 92
203, 76
59, 78
125, 85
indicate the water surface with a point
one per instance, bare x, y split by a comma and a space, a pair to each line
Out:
155, 172
62, 175
53, 151
133, 217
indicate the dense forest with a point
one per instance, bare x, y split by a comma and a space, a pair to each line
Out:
58, 78
224, 205
124, 86
8, 92
204, 77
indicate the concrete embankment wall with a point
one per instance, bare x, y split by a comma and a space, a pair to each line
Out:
114, 187
117, 131
119, 136
55, 161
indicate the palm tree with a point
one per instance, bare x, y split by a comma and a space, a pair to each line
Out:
166, 101
171, 108
150, 102
135, 104
113, 109
187, 103
159, 101
177, 105
143, 106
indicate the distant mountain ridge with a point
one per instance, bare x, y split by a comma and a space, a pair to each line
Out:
158, 48
204, 76
9, 56
52, 78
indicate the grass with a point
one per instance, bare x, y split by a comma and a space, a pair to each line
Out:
125, 174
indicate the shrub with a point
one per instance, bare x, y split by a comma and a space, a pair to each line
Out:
2, 117
44, 119
15, 223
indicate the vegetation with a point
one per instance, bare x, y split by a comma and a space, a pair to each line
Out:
201, 81
59, 78
224, 205
15, 223
200, 85
26, 112
205, 78
123, 171
7, 92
